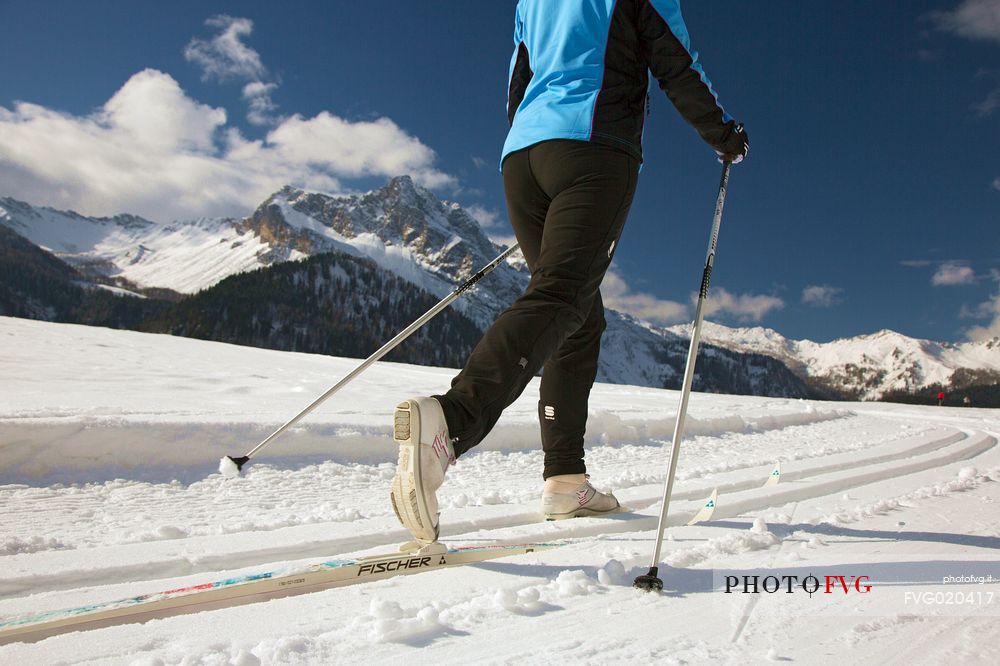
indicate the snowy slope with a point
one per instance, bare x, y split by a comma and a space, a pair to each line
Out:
108, 441
867, 365
182, 256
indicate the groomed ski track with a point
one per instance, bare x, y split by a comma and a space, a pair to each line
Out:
740, 490
917, 462
906, 495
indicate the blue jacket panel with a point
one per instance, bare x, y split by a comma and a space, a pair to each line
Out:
580, 70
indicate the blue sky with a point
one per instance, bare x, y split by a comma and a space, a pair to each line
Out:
871, 198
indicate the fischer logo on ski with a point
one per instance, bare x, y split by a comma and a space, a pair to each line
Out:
394, 565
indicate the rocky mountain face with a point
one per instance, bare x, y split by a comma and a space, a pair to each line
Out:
403, 228
277, 279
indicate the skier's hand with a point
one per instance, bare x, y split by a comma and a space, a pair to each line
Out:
736, 147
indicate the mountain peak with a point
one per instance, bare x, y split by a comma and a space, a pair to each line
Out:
406, 191
403, 182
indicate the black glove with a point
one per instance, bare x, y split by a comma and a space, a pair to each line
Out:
736, 147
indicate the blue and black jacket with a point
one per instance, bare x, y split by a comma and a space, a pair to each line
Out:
580, 71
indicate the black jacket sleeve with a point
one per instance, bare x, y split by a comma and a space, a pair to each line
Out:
664, 44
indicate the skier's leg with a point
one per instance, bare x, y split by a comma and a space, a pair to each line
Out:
419, 426
567, 378
590, 187
589, 190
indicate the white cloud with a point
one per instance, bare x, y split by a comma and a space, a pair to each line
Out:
487, 218
619, 296
225, 57
355, 149
976, 20
990, 104
990, 308
996, 184
744, 307
153, 150
822, 296
980, 311
973, 19
479, 162
262, 108
950, 274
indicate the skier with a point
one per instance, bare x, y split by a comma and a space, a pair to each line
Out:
579, 78
940, 398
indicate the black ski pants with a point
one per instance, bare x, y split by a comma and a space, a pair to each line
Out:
567, 202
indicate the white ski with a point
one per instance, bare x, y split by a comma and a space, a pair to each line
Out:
253, 588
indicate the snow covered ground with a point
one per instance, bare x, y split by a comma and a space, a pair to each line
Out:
109, 442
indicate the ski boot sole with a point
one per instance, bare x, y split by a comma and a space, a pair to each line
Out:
407, 500
584, 513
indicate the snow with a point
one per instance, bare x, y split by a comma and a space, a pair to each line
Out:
228, 468
898, 361
110, 440
117, 291
183, 256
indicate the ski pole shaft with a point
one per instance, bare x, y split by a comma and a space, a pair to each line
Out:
386, 348
692, 358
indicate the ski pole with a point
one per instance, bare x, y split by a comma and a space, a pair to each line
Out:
226, 464
650, 581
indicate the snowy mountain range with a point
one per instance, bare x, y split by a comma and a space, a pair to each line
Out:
867, 367
410, 234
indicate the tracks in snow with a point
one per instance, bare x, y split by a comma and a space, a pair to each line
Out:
741, 491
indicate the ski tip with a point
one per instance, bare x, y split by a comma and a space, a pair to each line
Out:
775, 477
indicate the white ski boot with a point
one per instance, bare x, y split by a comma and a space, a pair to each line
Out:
572, 496
425, 451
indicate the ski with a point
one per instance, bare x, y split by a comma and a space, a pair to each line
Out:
252, 588
775, 476
706, 511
